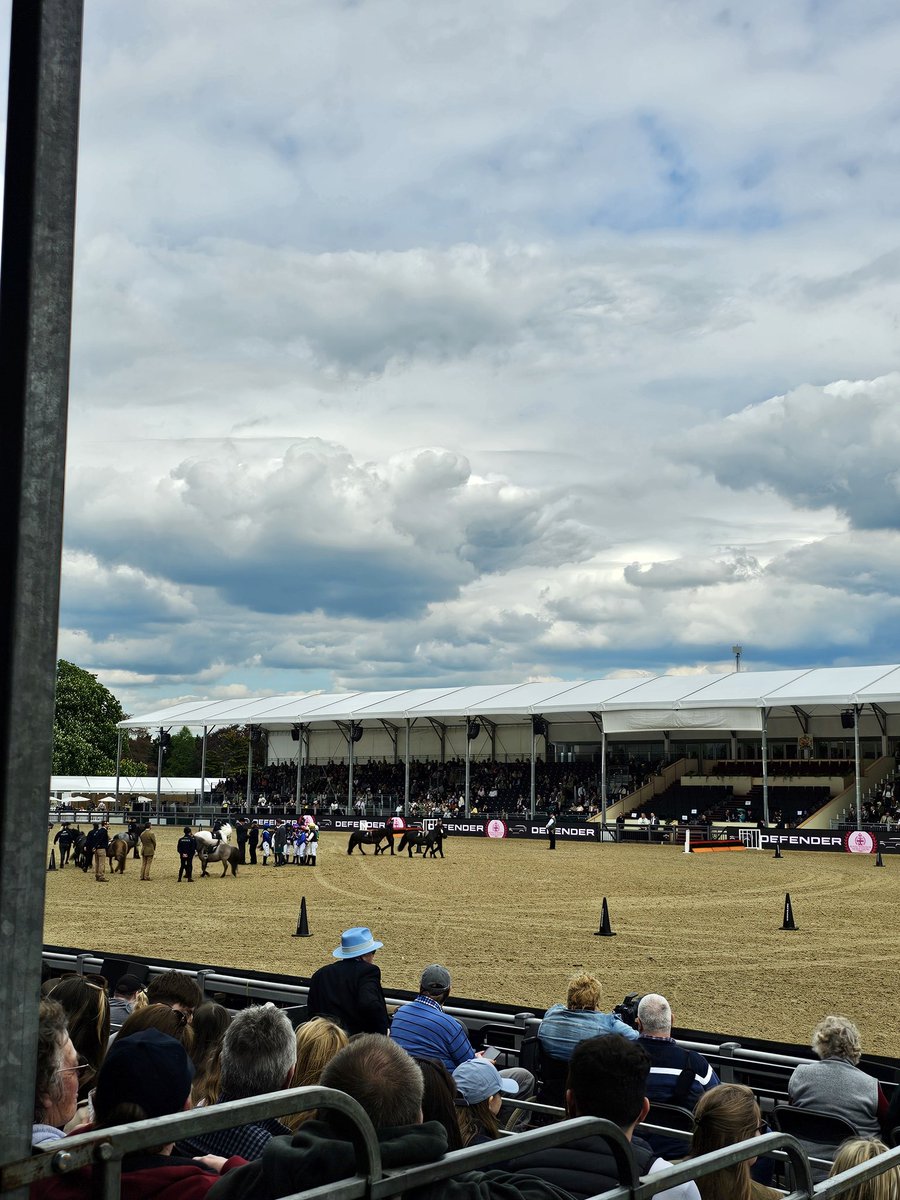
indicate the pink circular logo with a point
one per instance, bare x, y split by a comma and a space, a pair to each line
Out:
496, 829
397, 822
860, 842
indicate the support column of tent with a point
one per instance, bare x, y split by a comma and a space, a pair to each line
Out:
406, 772
468, 744
118, 762
203, 744
603, 782
249, 792
298, 729
350, 768
160, 749
533, 768
765, 764
857, 709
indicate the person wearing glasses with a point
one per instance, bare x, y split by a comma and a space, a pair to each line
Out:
59, 1070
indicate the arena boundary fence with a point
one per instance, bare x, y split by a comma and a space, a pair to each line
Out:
104, 1150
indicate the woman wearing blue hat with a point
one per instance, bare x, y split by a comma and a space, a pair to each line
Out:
349, 990
481, 1089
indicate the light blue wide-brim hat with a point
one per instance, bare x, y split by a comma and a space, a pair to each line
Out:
478, 1079
356, 941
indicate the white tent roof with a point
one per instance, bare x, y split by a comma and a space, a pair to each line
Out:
735, 699
102, 786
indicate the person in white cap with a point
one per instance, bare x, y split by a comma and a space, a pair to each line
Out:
349, 990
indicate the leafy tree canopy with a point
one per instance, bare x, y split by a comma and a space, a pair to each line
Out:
84, 725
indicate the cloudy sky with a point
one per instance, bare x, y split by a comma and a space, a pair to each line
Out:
459, 342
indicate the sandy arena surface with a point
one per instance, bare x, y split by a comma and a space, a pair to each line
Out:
513, 921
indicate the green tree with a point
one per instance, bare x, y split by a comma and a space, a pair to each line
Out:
84, 725
183, 758
226, 752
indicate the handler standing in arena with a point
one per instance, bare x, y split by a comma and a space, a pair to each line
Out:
187, 848
550, 829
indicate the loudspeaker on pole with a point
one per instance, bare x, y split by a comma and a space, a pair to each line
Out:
605, 929
302, 922
788, 922
52, 864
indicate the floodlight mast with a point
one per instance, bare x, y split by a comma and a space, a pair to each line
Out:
737, 651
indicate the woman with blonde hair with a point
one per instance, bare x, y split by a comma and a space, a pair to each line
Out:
854, 1153
318, 1041
565, 1025
836, 1085
724, 1116
86, 1006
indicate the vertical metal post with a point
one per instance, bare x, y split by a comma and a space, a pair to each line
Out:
118, 762
468, 744
406, 770
603, 780
765, 764
297, 804
350, 768
533, 770
249, 792
35, 321
857, 709
203, 766
159, 767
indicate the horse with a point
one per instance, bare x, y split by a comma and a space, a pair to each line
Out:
80, 856
211, 850
372, 837
430, 843
412, 838
117, 851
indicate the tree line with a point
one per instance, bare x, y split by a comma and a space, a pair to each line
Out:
85, 735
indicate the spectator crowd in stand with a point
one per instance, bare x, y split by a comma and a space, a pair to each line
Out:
421, 1082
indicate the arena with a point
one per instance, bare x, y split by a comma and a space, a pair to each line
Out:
513, 921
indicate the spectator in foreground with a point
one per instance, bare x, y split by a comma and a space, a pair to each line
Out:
259, 1051
386, 1082
724, 1116
145, 1076
854, 1153
122, 1001
607, 1078
170, 1021
836, 1085
318, 1041
56, 1082
677, 1076
349, 990
481, 1089
565, 1025
177, 989
439, 1100
87, 1017
209, 1024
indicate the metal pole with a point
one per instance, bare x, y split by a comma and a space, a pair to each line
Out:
159, 767
118, 762
468, 743
765, 765
249, 792
350, 769
533, 771
297, 805
35, 319
857, 709
603, 780
406, 778
203, 765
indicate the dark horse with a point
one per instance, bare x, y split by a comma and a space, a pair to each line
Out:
430, 843
372, 837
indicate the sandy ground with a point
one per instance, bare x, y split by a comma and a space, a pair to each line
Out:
513, 921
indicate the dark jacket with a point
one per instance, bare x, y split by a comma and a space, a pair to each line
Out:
144, 1177
317, 1156
349, 990
583, 1168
